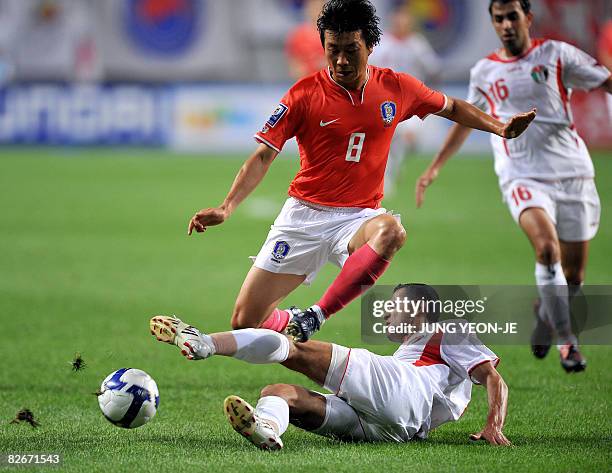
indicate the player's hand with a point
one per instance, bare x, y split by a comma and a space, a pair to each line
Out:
518, 124
206, 218
493, 435
422, 183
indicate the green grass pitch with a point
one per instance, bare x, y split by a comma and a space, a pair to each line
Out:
93, 242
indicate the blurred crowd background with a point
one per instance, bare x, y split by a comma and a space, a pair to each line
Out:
203, 74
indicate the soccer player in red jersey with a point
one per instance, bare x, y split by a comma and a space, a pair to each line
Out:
343, 118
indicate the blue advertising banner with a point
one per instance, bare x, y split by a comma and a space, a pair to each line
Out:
85, 114
191, 118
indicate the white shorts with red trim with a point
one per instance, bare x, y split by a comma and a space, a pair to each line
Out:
572, 204
377, 398
305, 236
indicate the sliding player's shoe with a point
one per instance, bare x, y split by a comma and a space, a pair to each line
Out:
572, 360
542, 335
243, 420
305, 324
193, 344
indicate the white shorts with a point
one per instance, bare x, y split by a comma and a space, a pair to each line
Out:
306, 236
377, 398
572, 204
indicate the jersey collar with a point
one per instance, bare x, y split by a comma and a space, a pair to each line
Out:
329, 75
535, 42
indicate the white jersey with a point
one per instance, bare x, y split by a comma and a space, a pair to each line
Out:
412, 54
543, 78
426, 383
445, 362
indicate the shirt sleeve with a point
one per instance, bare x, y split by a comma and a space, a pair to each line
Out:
418, 99
475, 96
464, 353
283, 123
579, 70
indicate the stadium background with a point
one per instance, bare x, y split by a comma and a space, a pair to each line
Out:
120, 118
202, 75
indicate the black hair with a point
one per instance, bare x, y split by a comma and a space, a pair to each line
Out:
344, 16
525, 5
426, 293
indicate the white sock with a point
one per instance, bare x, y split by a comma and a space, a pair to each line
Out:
275, 409
554, 298
319, 313
208, 341
259, 345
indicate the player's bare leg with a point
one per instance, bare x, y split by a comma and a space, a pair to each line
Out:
260, 294
306, 407
384, 234
574, 258
278, 405
281, 404
371, 250
553, 311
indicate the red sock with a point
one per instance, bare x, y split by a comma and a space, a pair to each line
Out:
277, 321
362, 268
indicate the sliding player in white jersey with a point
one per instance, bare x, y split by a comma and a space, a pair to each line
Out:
546, 176
426, 383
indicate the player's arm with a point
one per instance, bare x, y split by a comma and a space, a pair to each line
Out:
470, 116
467, 117
248, 178
453, 142
497, 392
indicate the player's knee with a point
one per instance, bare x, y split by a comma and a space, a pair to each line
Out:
547, 251
240, 319
285, 391
390, 234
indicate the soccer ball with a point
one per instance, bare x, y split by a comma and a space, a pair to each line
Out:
128, 398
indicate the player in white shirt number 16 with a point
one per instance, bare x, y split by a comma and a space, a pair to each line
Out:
546, 175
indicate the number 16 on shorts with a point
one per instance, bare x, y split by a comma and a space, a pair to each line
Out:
520, 194
520, 197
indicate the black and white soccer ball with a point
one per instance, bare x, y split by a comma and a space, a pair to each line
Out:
128, 398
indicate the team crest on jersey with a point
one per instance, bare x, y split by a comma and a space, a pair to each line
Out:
387, 110
539, 74
277, 114
280, 251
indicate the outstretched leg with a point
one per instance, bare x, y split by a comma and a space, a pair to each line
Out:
279, 404
257, 346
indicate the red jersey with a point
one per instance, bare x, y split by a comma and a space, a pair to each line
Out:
344, 136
